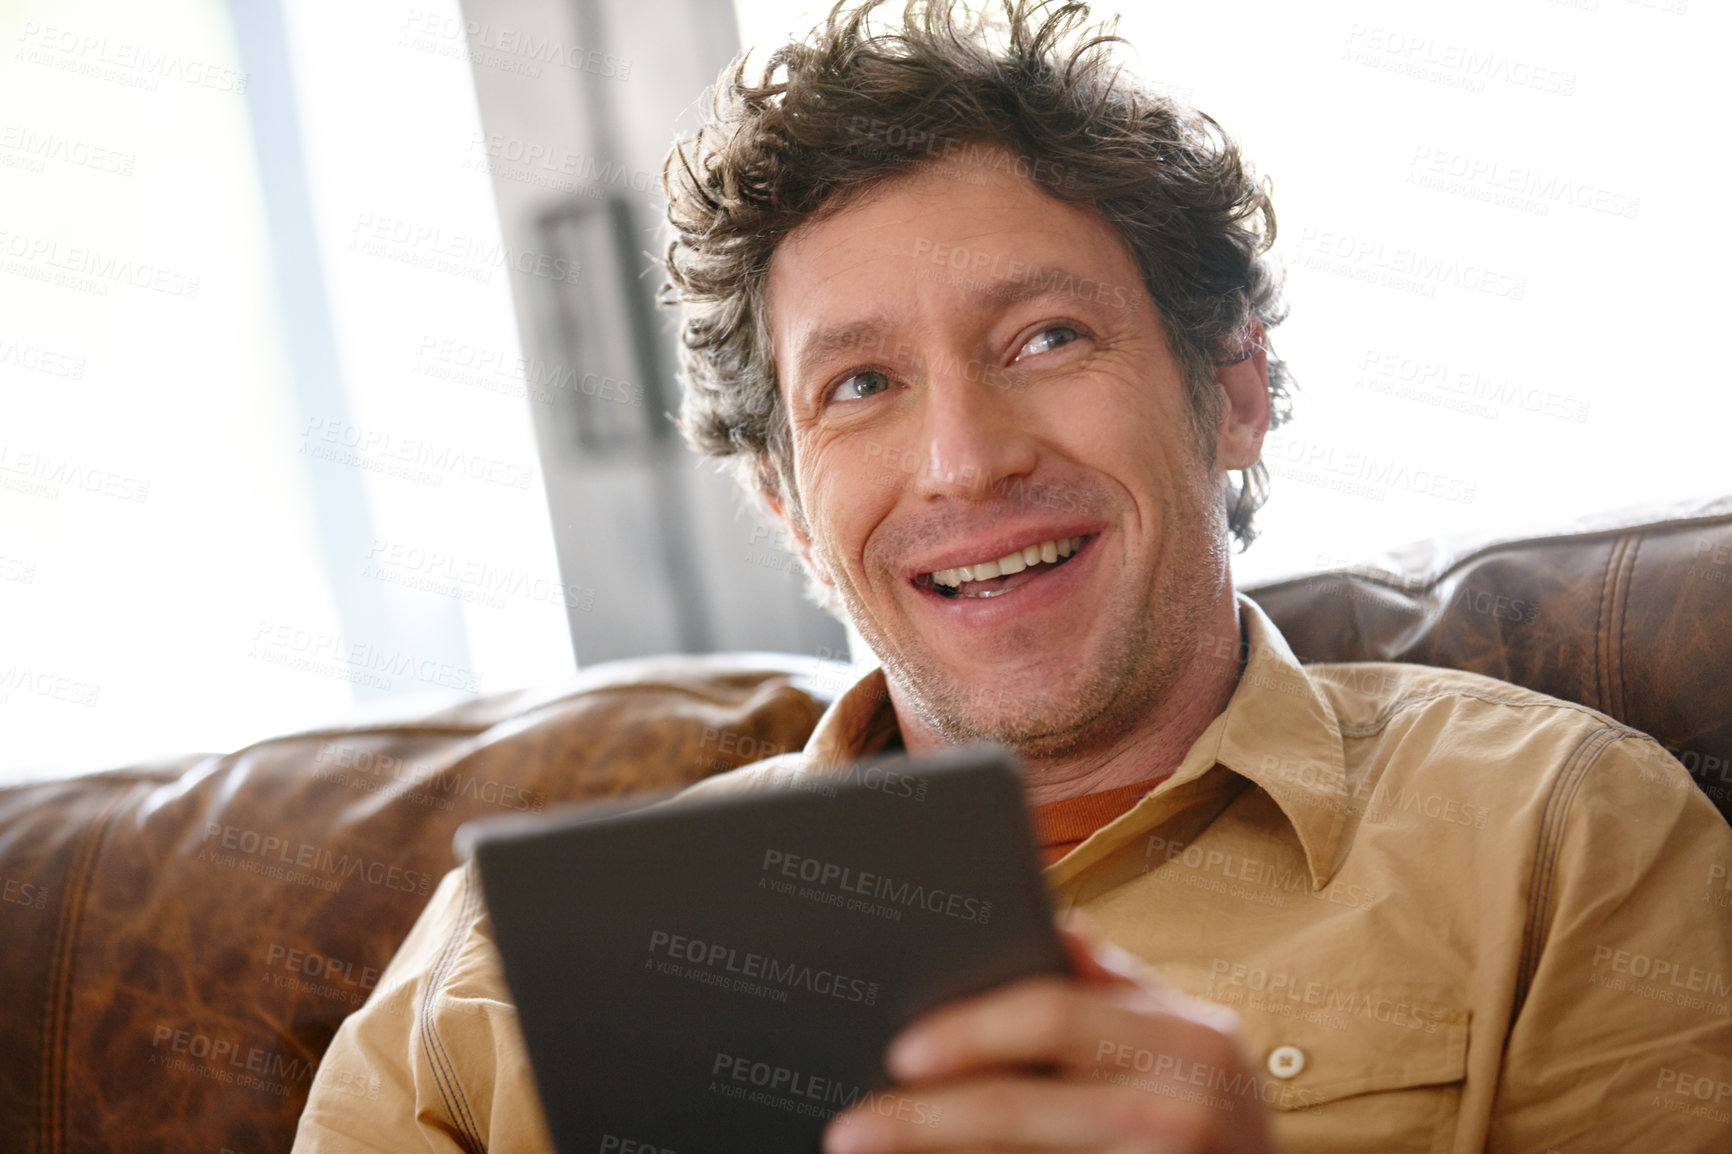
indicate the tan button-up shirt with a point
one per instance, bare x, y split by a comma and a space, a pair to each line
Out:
1453, 915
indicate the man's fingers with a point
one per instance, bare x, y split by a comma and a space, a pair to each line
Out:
1016, 1114
1054, 1020
1098, 961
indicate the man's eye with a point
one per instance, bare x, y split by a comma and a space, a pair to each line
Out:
1048, 339
858, 386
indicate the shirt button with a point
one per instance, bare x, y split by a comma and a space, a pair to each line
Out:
1286, 1061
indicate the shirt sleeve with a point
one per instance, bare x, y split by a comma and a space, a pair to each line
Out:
1622, 1035
434, 1062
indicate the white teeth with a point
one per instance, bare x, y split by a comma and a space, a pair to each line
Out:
1047, 551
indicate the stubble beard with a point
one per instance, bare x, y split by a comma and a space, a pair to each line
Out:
1110, 693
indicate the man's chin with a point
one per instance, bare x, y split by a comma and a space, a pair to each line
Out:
1026, 709
1042, 695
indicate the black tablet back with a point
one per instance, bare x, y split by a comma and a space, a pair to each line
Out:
724, 974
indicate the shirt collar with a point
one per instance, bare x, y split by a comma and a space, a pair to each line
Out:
1278, 731
859, 723
1281, 732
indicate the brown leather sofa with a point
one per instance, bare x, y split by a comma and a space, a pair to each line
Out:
181, 939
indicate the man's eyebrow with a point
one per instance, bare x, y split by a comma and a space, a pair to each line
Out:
1036, 281
869, 333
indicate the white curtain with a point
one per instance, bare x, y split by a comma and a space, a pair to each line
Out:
265, 451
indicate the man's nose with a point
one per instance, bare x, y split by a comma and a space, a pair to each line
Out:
973, 433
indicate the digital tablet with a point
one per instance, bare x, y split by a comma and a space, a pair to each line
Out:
724, 974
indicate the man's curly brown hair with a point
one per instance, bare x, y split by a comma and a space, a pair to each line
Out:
857, 104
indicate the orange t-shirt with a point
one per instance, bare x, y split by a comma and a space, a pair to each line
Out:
1059, 826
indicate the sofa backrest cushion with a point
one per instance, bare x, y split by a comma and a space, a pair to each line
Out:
1629, 613
181, 940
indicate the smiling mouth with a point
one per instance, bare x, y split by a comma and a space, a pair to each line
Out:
998, 577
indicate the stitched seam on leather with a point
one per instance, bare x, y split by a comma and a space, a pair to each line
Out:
1378, 723
694, 691
1623, 621
57, 1006
1616, 597
1432, 580
1550, 840
1600, 625
412, 729
444, 1073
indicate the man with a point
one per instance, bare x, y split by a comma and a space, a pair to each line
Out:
986, 329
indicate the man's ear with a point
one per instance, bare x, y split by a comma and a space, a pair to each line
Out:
797, 531
1244, 388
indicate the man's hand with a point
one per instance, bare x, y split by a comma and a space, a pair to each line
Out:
1109, 1060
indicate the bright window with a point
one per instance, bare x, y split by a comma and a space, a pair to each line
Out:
244, 486
1502, 279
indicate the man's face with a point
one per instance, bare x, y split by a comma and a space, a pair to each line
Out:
976, 376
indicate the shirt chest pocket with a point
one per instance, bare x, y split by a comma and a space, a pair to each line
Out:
1383, 1072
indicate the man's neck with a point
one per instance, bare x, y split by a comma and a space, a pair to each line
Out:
1152, 749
